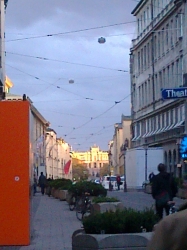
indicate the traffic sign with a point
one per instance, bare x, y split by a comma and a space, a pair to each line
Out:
176, 93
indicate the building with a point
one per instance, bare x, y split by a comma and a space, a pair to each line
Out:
119, 144
64, 159
94, 159
158, 61
58, 160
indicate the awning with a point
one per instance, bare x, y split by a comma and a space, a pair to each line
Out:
181, 123
67, 167
143, 136
159, 130
149, 134
134, 139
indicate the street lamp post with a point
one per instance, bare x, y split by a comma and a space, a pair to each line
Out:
146, 149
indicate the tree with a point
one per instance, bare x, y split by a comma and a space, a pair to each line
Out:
79, 170
104, 170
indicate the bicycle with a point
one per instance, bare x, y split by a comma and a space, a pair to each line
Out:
83, 206
73, 201
172, 208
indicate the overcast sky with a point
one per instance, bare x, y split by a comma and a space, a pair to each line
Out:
49, 42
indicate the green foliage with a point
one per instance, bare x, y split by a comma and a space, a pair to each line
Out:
121, 221
61, 183
100, 199
79, 172
86, 186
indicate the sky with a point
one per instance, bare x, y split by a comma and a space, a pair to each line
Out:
50, 42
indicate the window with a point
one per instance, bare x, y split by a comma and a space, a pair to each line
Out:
160, 79
163, 41
155, 47
95, 164
167, 35
171, 33
145, 62
177, 28
172, 76
100, 165
138, 26
141, 59
177, 73
145, 95
180, 24
180, 71
158, 44
148, 54
138, 62
164, 78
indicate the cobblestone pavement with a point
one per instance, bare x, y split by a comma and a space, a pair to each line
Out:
54, 223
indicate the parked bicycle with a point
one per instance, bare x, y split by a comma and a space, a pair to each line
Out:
83, 206
73, 201
172, 208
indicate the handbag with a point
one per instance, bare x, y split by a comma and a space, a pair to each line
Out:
162, 199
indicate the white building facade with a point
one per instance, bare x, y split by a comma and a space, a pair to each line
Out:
58, 160
158, 61
119, 145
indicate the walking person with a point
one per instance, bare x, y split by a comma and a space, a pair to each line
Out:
164, 189
118, 180
42, 182
170, 233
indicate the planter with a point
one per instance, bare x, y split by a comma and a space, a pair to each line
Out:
56, 193
52, 191
134, 241
182, 193
62, 195
148, 189
107, 206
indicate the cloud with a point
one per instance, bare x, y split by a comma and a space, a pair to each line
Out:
41, 67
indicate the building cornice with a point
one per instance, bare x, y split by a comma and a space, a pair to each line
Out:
155, 27
138, 7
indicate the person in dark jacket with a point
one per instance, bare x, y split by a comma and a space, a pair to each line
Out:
164, 189
42, 182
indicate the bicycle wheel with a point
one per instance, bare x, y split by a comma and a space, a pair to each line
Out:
72, 203
87, 211
79, 208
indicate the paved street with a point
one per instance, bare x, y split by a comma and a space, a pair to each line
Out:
138, 200
54, 223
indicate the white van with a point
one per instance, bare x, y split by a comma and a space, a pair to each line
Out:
107, 179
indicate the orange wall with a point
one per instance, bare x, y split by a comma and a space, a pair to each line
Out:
14, 165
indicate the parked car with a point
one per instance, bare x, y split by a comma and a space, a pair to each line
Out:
107, 179
97, 181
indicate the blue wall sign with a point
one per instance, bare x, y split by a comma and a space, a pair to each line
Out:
183, 147
174, 93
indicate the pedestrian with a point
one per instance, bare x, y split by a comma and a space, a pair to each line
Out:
35, 183
164, 189
170, 233
118, 180
42, 182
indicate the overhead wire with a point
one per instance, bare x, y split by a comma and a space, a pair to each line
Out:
62, 61
70, 32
